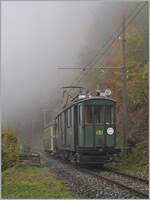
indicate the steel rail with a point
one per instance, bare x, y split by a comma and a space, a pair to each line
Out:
99, 176
121, 185
127, 175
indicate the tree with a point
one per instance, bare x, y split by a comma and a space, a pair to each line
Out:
137, 81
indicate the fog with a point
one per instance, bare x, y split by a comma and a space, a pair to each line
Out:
38, 37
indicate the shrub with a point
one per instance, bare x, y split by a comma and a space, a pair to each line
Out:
10, 148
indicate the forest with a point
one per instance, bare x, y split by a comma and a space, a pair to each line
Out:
137, 71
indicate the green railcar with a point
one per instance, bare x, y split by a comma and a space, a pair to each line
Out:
86, 130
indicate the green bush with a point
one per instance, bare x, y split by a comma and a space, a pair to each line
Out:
136, 161
10, 148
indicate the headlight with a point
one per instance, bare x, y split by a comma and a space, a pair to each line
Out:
110, 131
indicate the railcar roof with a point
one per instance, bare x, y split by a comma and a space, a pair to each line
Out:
84, 100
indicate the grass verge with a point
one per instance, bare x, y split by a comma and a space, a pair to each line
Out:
33, 182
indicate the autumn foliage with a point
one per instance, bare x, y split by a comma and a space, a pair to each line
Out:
137, 82
10, 148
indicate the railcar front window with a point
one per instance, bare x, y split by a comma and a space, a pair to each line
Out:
99, 114
88, 114
109, 114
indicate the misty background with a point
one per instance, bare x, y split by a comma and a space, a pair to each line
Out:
38, 37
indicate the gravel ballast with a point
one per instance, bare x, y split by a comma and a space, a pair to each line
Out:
84, 185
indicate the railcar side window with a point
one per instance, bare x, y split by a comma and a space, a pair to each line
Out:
88, 114
58, 124
99, 114
68, 118
80, 114
63, 127
109, 114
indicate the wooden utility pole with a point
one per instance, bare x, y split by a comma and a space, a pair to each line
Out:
124, 79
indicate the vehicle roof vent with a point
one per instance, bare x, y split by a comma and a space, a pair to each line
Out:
105, 93
98, 92
82, 96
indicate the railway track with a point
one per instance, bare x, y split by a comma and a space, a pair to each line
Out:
134, 184
146, 181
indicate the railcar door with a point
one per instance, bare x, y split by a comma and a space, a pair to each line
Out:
80, 126
85, 125
99, 128
89, 138
110, 125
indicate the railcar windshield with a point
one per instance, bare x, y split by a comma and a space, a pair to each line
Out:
88, 114
109, 114
99, 114
103, 114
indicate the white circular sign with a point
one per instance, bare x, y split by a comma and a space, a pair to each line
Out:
107, 92
110, 131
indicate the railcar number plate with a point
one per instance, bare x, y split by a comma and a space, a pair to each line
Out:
99, 132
